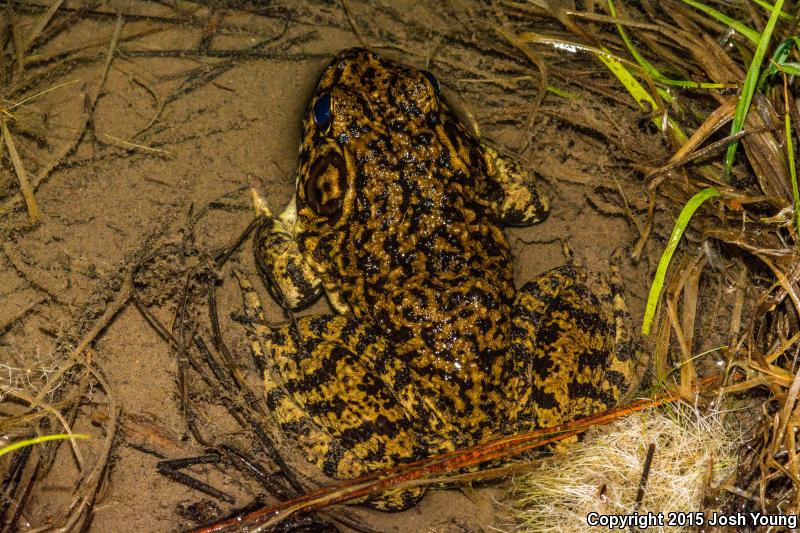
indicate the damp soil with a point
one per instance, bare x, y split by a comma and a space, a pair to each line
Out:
213, 97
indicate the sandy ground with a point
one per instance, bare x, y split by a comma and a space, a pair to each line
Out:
214, 97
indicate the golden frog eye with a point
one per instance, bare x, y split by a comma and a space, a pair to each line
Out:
326, 184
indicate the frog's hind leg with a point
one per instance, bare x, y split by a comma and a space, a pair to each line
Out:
326, 363
316, 444
518, 199
323, 390
570, 329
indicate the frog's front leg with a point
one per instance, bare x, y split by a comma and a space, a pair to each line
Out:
518, 199
291, 280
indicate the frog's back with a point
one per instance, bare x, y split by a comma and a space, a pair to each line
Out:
413, 244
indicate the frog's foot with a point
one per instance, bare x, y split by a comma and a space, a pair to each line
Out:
289, 278
366, 427
519, 200
572, 332
336, 390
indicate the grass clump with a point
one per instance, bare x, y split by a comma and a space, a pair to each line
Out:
691, 457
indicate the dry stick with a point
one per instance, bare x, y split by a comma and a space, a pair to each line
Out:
17, 264
67, 429
94, 478
17, 40
19, 421
102, 464
791, 443
352, 23
647, 227
380, 481
44, 20
22, 176
677, 286
81, 501
10, 497
659, 175
648, 461
136, 78
738, 307
783, 347
785, 413
690, 151
25, 496
106, 66
682, 156
691, 288
99, 326
44, 172
785, 283
12, 202
30, 304
182, 359
687, 368
533, 57
25, 185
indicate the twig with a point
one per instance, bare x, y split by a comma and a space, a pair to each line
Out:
99, 326
22, 176
67, 429
382, 480
42, 23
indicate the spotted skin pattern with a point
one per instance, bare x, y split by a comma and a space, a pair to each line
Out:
398, 214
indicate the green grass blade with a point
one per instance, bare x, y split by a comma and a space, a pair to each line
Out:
747, 31
778, 59
567, 95
666, 257
38, 440
645, 64
639, 94
652, 71
630, 83
792, 69
792, 170
749, 86
766, 5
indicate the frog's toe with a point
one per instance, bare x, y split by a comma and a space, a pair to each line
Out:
519, 200
524, 203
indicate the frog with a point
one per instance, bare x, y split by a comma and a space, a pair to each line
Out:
398, 218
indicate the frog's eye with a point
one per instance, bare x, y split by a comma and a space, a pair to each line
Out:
432, 80
326, 183
322, 111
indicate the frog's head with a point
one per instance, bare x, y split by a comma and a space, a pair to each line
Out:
380, 145
362, 121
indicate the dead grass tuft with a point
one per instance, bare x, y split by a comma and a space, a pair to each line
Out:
694, 453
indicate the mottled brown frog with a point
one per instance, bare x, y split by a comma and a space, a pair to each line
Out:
398, 217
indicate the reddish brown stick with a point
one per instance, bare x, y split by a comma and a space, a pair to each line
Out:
382, 480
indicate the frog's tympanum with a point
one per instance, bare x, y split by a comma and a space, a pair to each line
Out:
398, 217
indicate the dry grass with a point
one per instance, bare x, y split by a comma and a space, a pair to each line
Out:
730, 305
694, 451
